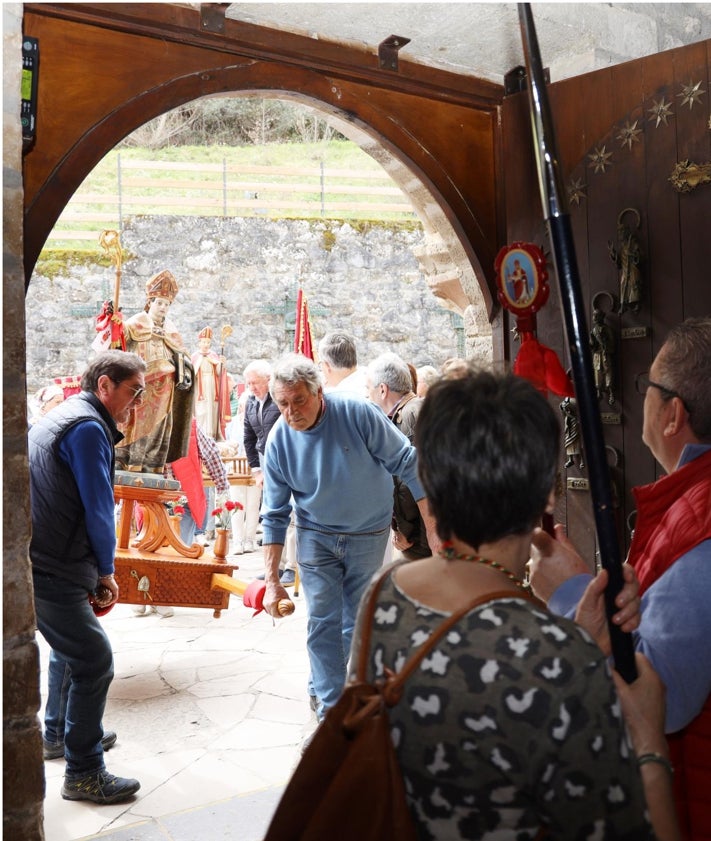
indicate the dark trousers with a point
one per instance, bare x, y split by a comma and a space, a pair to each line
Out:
81, 669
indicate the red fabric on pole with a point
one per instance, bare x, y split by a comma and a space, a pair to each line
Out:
254, 596
540, 365
188, 471
302, 332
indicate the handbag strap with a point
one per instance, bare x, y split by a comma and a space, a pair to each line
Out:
393, 684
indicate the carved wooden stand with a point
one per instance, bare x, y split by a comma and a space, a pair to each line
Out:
157, 530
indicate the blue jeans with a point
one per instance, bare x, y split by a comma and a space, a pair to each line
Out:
335, 570
81, 669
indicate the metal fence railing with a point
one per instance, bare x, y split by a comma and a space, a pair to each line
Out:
224, 189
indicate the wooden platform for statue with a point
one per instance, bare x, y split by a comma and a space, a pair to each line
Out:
166, 578
155, 567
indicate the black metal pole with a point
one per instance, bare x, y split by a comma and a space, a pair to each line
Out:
554, 202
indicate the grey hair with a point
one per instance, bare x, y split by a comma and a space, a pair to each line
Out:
260, 367
427, 375
392, 371
338, 349
292, 369
117, 365
684, 364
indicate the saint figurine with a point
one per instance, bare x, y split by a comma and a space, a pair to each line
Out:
602, 343
159, 428
571, 427
212, 392
627, 256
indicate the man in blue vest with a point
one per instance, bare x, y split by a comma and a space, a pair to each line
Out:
71, 460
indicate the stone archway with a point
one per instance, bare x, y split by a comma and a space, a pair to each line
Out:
448, 268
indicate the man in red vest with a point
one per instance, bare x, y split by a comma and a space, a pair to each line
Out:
671, 553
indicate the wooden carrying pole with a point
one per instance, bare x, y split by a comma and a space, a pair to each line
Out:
553, 200
234, 585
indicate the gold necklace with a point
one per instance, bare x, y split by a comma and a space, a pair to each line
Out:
449, 554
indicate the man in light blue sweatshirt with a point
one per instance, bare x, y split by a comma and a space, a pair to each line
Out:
333, 457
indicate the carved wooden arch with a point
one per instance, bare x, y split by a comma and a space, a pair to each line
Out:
142, 78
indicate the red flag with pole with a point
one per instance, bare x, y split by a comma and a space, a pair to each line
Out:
302, 332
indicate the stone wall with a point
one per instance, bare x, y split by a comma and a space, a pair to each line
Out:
23, 769
244, 272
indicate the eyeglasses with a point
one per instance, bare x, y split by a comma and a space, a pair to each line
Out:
137, 392
642, 383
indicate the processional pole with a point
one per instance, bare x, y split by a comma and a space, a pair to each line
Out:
554, 202
109, 322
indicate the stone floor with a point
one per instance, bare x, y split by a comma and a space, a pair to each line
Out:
210, 715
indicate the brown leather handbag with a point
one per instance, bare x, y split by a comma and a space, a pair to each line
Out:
348, 784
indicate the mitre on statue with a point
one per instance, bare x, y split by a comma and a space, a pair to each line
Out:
162, 285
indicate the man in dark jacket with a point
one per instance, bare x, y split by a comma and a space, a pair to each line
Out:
260, 415
390, 386
71, 460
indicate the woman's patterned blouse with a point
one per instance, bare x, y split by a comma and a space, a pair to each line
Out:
511, 723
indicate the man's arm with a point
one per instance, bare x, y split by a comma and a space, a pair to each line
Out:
642, 705
433, 540
675, 627
275, 591
675, 634
210, 456
89, 455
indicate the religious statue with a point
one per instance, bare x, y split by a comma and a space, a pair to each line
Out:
602, 343
571, 426
212, 391
627, 256
159, 429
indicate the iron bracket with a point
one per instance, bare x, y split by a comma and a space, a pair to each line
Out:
388, 50
212, 17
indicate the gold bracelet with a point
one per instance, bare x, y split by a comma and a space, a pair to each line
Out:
658, 758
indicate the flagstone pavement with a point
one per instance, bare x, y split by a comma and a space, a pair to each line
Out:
210, 715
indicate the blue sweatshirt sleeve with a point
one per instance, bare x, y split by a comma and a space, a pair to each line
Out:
564, 601
276, 499
90, 456
675, 634
392, 449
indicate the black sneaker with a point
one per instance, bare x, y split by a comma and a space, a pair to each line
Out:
56, 751
100, 787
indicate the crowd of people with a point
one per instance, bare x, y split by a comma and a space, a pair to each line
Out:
513, 724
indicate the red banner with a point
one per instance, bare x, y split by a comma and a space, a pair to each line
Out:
302, 333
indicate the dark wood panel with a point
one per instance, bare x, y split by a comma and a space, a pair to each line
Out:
604, 109
628, 139
691, 68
